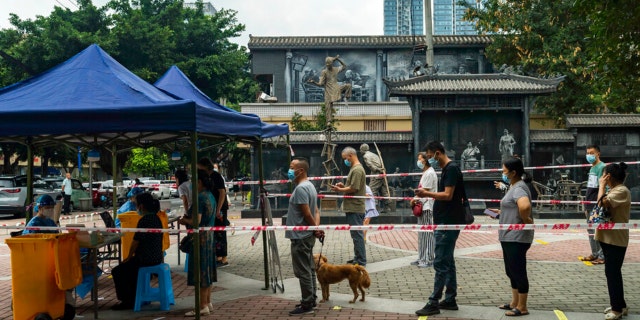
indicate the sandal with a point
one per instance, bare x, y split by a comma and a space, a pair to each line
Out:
506, 306
515, 312
597, 261
589, 258
612, 316
625, 311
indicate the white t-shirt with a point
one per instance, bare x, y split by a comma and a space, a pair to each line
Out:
185, 189
429, 180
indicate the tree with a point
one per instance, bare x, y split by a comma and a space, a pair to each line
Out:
548, 39
318, 121
147, 162
146, 36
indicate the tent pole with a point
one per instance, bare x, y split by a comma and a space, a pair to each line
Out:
262, 214
114, 173
28, 212
194, 214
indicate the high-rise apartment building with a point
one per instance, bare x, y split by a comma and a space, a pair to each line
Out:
403, 17
207, 7
447, 17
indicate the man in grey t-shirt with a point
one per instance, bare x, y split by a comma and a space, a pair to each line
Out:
302, 212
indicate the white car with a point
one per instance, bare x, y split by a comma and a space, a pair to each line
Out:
157, 189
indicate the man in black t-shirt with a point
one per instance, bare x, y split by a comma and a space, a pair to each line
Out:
220, 193
447, 209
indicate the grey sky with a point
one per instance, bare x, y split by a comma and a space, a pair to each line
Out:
261, 17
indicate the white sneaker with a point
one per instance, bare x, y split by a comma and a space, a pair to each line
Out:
203, 312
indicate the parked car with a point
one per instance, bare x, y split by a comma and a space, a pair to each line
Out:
13, 194
96, 190
157, 189
173, 188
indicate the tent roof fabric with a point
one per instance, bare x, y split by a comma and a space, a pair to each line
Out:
176, 83
93, 99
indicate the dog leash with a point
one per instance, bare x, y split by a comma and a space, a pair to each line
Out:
320, 235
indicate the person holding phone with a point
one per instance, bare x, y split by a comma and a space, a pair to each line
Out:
426, 240
614, 242
515, 208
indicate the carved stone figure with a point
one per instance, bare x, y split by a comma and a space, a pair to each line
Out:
376, 184
329, 80
469, 156
506, 145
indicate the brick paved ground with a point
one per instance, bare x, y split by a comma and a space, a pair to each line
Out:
558, 280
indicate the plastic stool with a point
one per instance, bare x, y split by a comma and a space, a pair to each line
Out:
146, 293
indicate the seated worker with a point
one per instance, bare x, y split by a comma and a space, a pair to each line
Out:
146, 250
44, 207
130, 205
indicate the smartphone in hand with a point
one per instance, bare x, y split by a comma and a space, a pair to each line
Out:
490, 213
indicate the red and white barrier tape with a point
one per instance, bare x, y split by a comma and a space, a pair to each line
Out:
382, 175
386, 227
337, 196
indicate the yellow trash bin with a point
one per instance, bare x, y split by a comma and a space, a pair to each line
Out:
42, 266
130, 220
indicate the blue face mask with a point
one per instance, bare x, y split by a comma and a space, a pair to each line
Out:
291, 174
591, 158
420, 165
505, 178
433, 162
347, 163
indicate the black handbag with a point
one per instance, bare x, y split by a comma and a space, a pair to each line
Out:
466, 208
186, 244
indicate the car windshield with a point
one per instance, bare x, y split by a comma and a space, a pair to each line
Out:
6, 183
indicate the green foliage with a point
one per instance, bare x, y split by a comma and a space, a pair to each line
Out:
549, 38
146, 36
317, 123
147, 162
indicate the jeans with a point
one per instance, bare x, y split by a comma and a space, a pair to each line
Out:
613, 259
445, 266
360, 253
596, 250
304, 268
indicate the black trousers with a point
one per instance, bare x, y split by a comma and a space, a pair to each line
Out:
125, 279
221, 236
67, 202
613, 259
515, 264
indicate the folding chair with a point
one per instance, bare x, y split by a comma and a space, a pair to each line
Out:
112, 249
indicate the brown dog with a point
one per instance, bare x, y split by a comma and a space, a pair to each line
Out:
328, 274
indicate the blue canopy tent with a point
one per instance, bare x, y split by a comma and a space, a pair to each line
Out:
175, 82
92, 100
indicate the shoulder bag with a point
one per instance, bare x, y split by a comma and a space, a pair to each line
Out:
599, 213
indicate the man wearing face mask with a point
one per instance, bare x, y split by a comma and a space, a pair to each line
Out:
354, 208
303, 211
44, 207
447, 209
597, 166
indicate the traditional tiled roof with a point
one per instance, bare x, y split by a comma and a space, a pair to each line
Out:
551, 135
300, 137
492, 83
602, 120
375, 42
354, 109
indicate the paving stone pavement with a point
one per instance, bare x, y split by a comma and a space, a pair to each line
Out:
558, 280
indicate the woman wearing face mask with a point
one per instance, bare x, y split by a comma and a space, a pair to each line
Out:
426, 240
614, 242
515, 208
44, 207
146, 250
